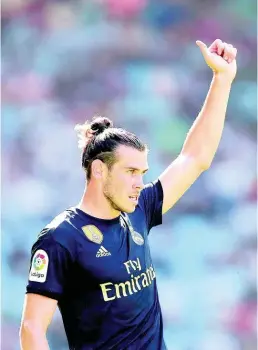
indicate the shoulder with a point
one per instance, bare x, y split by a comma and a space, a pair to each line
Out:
151, 192
60, 231
154, 186
149, 208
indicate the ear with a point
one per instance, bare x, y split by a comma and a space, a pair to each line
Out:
97, 169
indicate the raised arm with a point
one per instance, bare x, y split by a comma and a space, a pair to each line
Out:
204, 136
37, 314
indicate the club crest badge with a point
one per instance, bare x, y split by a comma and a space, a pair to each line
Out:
137, 238
93, 233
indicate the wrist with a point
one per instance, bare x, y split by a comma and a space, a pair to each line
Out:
222, 78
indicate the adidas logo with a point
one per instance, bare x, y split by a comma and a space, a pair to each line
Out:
102, 252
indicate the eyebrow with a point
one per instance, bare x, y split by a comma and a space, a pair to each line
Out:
137, 169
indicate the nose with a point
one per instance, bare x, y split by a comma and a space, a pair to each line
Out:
138, 183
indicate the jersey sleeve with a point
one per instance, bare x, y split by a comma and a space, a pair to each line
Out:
151, 199
49, 268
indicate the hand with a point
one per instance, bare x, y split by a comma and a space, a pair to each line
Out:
220, 57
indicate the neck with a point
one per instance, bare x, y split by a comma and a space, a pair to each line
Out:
94, 203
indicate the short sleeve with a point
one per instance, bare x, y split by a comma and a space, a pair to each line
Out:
151, 199
49, 268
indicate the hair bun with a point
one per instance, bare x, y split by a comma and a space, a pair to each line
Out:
99, 124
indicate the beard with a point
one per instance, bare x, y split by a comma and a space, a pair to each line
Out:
109, 194
112, 203
110, 197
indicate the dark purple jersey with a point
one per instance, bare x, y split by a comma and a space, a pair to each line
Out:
102, 275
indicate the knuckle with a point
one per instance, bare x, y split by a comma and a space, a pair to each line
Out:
228, 49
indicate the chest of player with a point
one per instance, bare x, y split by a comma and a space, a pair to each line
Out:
114, 254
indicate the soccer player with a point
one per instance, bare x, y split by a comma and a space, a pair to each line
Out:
93, 260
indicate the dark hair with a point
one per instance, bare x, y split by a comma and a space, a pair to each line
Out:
101, 140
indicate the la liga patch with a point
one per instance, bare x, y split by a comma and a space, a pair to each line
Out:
39, 266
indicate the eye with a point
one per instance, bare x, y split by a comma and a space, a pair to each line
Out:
131, 171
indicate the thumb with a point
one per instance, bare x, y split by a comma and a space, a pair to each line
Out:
203, 48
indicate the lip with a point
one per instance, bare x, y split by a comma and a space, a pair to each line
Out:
135, 199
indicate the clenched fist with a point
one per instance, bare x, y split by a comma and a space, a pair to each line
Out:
220, 57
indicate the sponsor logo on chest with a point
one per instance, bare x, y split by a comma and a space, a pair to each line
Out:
137, 282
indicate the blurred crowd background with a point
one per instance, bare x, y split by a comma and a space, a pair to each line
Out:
136, 62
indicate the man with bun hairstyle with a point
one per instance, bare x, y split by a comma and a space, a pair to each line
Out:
93, 260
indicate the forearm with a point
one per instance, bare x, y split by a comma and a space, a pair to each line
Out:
204, 136
33, 339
